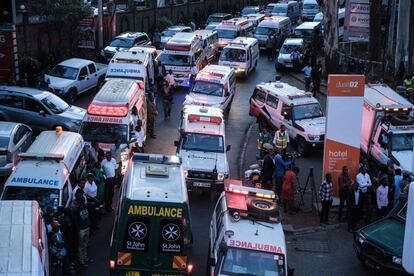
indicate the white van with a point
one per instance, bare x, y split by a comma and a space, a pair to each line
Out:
341, 21
255, 18
215, 85
289, 9
210, 42
230, 29
242, 54
310, 9
184, 55
278, 25
109, 117
136, 65
48, 170
23, 250
308, 30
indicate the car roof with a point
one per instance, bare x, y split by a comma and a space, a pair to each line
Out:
36, 93
242, 42
385, 96
116, 91
203, 126
308, 25
161, 181
6, 128
284, 91
293, 41
219, 14
75, 62
131, 35
177, 28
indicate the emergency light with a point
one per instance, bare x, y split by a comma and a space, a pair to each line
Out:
192, 118
119, 110
299, 95
178, 46
35, 156
244, 190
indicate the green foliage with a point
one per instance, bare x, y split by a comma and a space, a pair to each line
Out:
60, 12
26, 63
163, 23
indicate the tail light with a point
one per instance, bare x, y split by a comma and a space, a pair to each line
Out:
111, 264
189, 269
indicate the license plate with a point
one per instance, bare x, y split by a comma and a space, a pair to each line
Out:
202, 184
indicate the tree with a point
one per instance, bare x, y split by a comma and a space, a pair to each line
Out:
330, 14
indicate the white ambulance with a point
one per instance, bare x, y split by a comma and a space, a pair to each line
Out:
109, 117
246, 236
184, 55
276, 103
273, 25
202, 147
242, 54
254, 18
49, 169
215, 85
228, 30
210, 41
132, 64
23, 250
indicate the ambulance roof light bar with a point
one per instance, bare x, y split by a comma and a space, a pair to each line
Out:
156, 158
299, 95
193, 118
38, 156
210, 74
393, 108
244, 190
116, 110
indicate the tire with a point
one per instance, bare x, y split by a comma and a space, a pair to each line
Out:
401, 120
302, 146
262, 207
72, 95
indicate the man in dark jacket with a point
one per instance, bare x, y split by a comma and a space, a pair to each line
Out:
266, 174
82, 224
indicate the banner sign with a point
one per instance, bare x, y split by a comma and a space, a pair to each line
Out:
87, 33
356, 20
343, 125
9, 66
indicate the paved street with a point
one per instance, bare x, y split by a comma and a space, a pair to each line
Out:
238, 122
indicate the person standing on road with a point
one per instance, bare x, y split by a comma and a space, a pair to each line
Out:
307, 70
82, 225
280, 167
116, 152
100, 183
91, 192
151, 116
96, 154
397, 184
139, 135
168, 94
269, 47
295, 57
325, 195
263, 138
364, 184
382, 198
275, 45
344, 182
288, 189
316, 78
281, 138
353, 208
109, 167
266, 174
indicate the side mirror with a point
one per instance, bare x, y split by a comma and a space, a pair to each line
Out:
42, 113
228, 147
176, 144
223, 247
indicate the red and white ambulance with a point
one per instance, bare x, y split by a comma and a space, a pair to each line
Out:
230, 29
238, 246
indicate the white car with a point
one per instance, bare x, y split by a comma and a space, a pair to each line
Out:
284, 60
169, 32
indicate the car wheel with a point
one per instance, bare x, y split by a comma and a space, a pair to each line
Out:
302, 146
72, 96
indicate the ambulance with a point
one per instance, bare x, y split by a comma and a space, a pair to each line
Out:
184, 55
254, 18
242, 54
273, 25
210, 41
215, 85
277, 103
49, 170
246, 236
152, 230
133, 64
228, 30
109, 117
202, 147
23, 250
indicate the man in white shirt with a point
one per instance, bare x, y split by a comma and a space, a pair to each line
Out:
80, 185
109, 167
364, 184
90, 188
139, 135
116, 152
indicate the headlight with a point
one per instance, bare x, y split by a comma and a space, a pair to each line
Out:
313, 137
185, 173
102, 53
361, 238
396, 260
220, 176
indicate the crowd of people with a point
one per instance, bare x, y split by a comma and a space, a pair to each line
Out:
371, 195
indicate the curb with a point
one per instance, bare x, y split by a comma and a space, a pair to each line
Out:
302, 81
242, 156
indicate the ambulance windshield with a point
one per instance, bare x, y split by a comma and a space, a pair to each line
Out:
176, 60
250, 262
104, 133
307, 111
232, 54
402, 141
203, 142
208, 88
46, 197
226, 34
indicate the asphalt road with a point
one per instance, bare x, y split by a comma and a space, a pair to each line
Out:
237, 124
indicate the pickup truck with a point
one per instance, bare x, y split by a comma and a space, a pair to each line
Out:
74, 76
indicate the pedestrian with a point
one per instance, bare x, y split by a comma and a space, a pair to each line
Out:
109, 167
280, 167
316, 78
116, 152
307, 70
364, 184
79, 186
266, 173
160, 77
82, 224
390, 181
135, 116
288, 190
281, 138
156, 38
269, 49
275, 45
139, 134
397, 184
382, 197
325, 195
96, 154
69, 233
151, 115
91, 192
314, 56
57, 254
353, 208
344, 183
100, 183
263, 138
295, 57
168, 94
306, 55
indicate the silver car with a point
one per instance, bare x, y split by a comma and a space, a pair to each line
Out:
41, 110
14, 138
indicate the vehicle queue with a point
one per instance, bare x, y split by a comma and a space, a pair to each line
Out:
152, 232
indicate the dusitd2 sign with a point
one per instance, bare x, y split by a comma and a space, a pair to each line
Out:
343, 127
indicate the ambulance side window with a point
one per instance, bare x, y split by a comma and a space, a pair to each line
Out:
260, 96
197, 55
286, 112
65, 193
232, 81
272, 101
